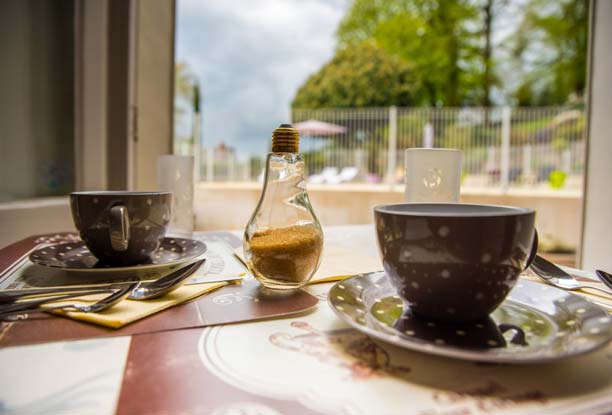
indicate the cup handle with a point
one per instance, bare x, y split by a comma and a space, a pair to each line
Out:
534, 250
119, 228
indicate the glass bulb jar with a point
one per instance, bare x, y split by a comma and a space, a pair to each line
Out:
283, 240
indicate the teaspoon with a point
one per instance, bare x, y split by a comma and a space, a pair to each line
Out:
604, 277
554, 275
136, 291
166, 284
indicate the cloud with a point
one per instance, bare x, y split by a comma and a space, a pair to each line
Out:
251, 57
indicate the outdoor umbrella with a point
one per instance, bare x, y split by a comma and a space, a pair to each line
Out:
315, 128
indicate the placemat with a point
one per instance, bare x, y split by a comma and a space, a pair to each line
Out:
231, 304
316, 364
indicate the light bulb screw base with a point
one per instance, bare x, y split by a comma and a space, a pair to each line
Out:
285, 139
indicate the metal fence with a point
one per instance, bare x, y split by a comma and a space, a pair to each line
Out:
502, 147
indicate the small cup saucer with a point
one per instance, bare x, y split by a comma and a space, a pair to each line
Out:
536, 323
74, 256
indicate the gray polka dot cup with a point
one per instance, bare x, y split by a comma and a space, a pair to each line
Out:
454, 262
120, 227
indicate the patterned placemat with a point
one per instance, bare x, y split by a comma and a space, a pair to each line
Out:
315, 364
231, 304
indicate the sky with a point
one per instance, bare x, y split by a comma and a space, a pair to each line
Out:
251, 56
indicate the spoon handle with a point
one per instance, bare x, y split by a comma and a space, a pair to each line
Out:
35, 303
604, 277
11, 296
591, 287
37, 306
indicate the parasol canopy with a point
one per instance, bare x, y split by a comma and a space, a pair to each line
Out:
318, 128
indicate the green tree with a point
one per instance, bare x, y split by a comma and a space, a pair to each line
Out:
435, 36
362, 75
184, 82
449, 47
489, 9
186, 101
551, 43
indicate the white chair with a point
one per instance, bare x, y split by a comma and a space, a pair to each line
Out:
324, 176
348, 174
261, 176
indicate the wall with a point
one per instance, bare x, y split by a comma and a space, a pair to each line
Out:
596, 247
229, 206
154, 88
36, 98
31, 217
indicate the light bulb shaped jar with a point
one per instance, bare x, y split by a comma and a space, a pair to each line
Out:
283, 240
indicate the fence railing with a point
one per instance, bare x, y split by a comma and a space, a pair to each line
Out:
502, 147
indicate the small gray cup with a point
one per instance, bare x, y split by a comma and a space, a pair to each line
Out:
121, 227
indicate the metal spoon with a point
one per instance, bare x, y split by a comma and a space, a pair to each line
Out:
103, 304
554, 275
134, 291
604, 277
144, 291
12, 296
165, 284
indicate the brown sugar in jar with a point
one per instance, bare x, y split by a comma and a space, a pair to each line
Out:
285, 257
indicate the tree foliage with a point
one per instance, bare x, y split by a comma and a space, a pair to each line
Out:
448, 51
359, 75
184, 84
551, 43
185, 87
433, 35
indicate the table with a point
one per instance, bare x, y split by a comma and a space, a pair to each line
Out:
309, 363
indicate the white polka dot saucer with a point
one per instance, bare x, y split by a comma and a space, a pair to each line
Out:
536, 323
74, 256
